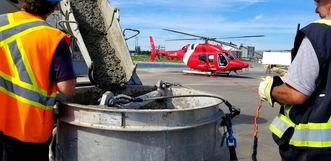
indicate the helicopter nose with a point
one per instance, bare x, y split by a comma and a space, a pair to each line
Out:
245, 65
241, 64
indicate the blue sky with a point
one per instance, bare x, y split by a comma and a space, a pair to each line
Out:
276, 19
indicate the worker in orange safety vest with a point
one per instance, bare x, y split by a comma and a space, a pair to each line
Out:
35, 64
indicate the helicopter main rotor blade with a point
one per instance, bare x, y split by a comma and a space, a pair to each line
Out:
226, 43
241, 37
206, 39
183, 33
182, 39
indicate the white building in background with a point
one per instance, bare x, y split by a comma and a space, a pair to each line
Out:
276, 58
265, 57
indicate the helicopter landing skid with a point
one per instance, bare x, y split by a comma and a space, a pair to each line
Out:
197, 72
206, 73
222, 73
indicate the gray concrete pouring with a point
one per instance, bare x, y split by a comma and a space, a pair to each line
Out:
107, 73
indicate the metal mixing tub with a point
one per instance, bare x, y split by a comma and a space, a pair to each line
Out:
173, 129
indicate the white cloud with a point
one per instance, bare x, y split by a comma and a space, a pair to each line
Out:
258, 16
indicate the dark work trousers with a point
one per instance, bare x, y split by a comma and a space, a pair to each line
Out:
12, 149
1, 145
301, 157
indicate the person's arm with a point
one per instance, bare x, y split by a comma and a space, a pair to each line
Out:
66, 87
285, 94
300, 79
62, 71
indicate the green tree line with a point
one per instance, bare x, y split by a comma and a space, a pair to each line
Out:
145, 56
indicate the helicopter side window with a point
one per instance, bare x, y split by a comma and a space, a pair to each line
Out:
210, 58
221, 60
202, 57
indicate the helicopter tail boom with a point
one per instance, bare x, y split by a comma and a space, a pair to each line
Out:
153, 55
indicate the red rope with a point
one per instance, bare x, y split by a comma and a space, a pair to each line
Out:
256, 129
248, 87
256, 117
257, 109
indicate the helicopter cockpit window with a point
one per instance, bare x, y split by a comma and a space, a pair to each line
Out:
222, 60
202, 57
229, 56
210, 58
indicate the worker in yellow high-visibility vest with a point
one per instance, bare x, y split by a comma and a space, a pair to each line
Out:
302, 129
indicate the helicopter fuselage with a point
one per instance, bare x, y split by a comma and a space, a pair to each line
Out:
204, 57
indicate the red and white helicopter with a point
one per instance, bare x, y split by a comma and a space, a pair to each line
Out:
204, 58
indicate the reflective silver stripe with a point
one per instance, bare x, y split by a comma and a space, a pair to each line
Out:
15, 90
308, 134
17, 58
312, 135
3, 20
280, 124
28, 94
17, 29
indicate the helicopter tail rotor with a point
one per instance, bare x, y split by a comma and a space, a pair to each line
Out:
153, 55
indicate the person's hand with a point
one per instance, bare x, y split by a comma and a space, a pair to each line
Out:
281, 72
266, 86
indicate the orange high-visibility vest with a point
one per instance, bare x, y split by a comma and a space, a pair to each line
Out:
27, 95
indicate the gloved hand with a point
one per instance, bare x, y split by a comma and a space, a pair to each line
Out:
266, 86
281, 72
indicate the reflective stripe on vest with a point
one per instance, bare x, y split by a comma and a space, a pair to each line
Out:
22, 86
280, 124
315, 135
4, 21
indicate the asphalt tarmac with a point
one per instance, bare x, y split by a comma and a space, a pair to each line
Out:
241, 91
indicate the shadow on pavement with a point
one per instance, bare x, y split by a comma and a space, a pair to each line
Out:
247, 119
